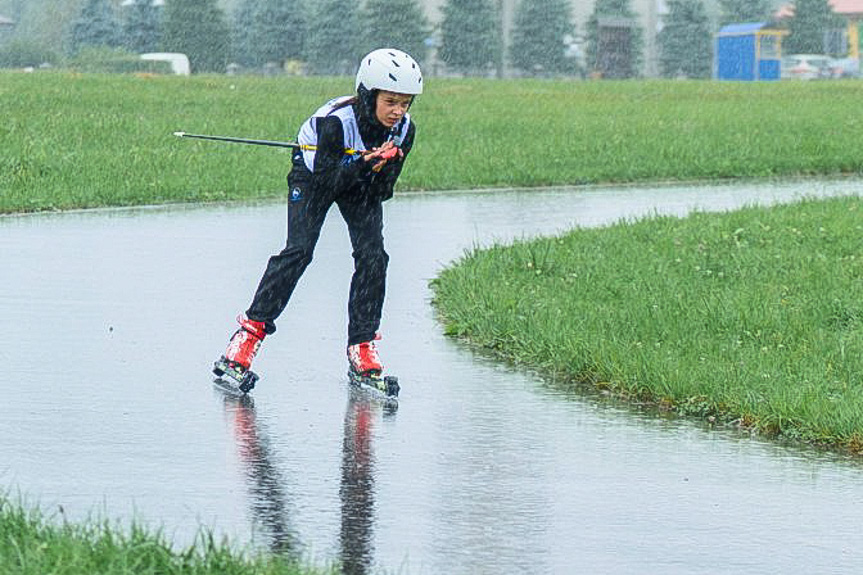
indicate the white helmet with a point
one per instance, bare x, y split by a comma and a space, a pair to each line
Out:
391, 70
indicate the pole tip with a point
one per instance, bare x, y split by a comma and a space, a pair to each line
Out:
179, 134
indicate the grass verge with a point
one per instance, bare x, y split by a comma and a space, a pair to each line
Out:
753, 317
87, 140
31, 544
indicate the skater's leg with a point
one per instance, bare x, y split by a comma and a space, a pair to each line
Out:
364, 217
306, 216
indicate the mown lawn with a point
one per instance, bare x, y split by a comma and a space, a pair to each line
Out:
753, 317
76, 141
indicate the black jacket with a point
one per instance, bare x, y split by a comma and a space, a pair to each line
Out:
333, 174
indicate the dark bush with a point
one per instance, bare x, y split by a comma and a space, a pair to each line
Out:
25, 53
115, 61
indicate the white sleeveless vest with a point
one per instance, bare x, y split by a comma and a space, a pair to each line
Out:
308, 135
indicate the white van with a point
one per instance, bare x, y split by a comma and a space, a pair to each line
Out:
179, 62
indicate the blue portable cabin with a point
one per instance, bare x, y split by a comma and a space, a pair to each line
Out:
749, 51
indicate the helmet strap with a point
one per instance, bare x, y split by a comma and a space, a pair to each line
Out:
368, 100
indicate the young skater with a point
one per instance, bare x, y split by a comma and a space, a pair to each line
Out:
353, 151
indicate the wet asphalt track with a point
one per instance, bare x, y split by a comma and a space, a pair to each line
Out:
113, 318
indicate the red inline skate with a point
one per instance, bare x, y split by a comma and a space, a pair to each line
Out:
237, 361
366, 370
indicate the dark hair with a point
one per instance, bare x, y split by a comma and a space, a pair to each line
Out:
365, 100
349, 102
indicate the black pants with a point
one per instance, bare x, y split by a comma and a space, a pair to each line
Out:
306, 213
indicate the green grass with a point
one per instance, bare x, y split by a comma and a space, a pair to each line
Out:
753, 317
73, 141
32, 544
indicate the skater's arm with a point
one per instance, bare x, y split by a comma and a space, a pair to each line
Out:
329, 168
384, 181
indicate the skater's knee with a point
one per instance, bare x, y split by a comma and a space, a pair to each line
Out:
299, 254
305, 257
374, 256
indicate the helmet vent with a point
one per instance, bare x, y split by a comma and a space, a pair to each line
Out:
396, 64
393, 78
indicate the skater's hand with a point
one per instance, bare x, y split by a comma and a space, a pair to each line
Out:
380, 156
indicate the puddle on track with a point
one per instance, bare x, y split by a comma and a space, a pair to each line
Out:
113, 319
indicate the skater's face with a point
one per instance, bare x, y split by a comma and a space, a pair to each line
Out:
391, 107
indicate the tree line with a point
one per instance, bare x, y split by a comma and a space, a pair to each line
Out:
329, 36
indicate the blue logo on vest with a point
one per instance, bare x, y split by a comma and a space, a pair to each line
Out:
296, 195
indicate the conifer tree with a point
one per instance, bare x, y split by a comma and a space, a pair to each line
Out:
471, 39
685, 43
198, 29
810, 27
141, 27
743, 11
538, 35
95, 26
331, 45
268, 31
397, 24
281, 27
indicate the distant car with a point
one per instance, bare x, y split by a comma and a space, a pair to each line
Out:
807, 67
846, 68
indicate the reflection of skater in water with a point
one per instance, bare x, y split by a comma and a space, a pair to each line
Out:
269, 502
357, 486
